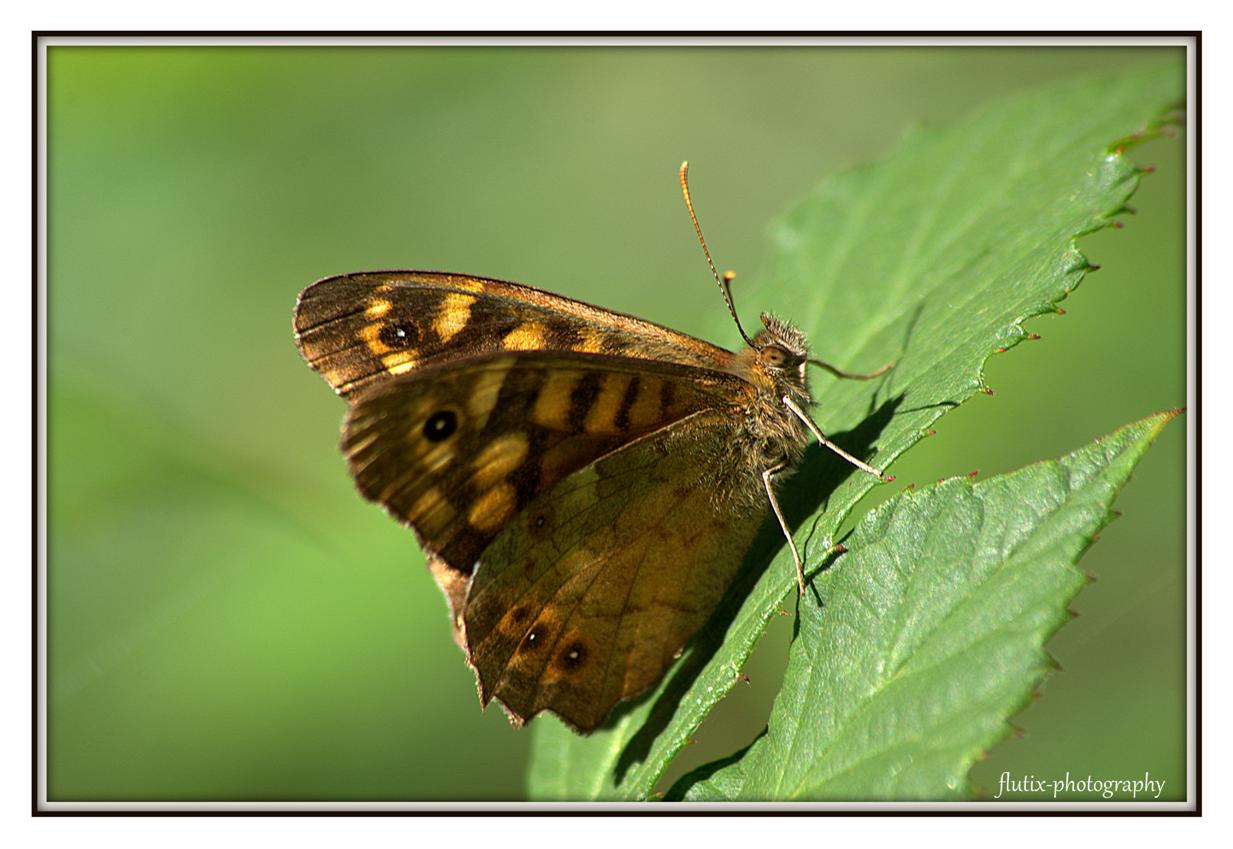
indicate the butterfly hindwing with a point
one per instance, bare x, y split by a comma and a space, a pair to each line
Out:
591, 592
458, 450
357, 330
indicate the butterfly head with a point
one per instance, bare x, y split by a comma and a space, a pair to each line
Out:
783, 353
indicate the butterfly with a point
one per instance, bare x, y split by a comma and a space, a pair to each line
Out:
585, 484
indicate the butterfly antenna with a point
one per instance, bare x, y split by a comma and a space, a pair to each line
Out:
725, 282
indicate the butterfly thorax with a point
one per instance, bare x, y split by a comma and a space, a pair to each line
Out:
775, 365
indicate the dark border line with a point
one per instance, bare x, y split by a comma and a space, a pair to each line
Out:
586, 808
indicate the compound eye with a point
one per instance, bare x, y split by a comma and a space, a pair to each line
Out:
774, 356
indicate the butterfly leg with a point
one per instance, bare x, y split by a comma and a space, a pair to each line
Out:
851, 375
767, 474
817, 432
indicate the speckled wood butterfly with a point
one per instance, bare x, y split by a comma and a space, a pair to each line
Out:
585, 483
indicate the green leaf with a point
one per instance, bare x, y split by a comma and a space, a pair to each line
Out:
933, 259
931, 633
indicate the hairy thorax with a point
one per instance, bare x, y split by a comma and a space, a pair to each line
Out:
766, 434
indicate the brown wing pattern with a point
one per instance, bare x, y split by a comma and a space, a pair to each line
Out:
356, 329
590, 593
456, 451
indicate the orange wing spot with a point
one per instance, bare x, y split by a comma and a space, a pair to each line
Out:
492, 509
378, 308
467, 283
454, 315
553, 402
592, 343
525, 337
502, 456
431, 513
485, 391
371, 334
646, 409
435, 461
601, 418
399, 362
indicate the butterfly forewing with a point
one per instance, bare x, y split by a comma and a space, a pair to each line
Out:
358, 329
457, 451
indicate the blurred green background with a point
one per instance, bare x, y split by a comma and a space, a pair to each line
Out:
229, 620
